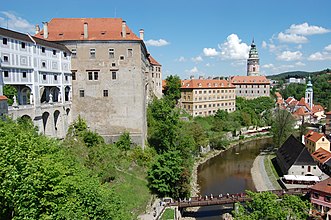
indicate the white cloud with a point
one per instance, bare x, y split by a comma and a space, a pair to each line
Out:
181, 59
197, 59
264, 44
268, 66
210, 52
233, 48
157, 43
318, 56
306, 29
292, 38
328, 48
299, 47
16, 23
300, 64
289, 56
194, 70
208, 64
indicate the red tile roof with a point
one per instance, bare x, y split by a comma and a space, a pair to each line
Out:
313, 136
321, 155
236, 80
2, 98
323, 186
317, 108
206, 83
301, 112
290, 99
67, 29
153, 61
303, 102
278, 95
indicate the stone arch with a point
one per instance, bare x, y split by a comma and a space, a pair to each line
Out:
58, 124
55, 91
47, 128
24, 93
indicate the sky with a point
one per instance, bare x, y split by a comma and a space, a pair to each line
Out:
204, 37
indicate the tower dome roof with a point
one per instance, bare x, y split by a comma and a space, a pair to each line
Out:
253, 51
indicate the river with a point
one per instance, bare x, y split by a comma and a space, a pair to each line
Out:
229, 172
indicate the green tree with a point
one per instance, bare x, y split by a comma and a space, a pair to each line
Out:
282, 126
124, 141
172, 91
266, 205
10, 91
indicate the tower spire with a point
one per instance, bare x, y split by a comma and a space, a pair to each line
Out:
253, 61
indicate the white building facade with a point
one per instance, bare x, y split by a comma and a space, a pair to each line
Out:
40, 72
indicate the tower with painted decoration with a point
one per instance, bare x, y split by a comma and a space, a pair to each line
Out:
253, 61
309, 93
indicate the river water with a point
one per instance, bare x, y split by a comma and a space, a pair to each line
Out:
229, 172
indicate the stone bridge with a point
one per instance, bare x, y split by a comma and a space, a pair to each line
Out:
52, 119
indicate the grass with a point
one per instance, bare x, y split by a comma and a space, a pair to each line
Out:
271, 171
134, 192
168, 214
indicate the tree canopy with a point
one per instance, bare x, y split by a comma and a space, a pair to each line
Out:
282, 126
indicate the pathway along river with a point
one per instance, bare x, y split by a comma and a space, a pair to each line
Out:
229, 172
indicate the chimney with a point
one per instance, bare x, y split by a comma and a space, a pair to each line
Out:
209, 77
200, 77
45, 30
141, 34
192, 77
37, 28
85, 30
123, 29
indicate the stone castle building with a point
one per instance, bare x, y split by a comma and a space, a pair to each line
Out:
40, 72
113, 75
203, 97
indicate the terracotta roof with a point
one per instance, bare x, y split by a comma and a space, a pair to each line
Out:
206, 83
301, 112
289, 100
321, 155
323, 186
317, 108
236, 80
26, 38
2, 98
303, 102
67, 29
278, 95
313, 136
153, 61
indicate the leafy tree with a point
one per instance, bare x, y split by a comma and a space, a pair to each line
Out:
10, 91
167, 175
282, 126
172, 91
124, 141
295, 90
266, 205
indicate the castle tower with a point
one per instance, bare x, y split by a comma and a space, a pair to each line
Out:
253, 61
309, 93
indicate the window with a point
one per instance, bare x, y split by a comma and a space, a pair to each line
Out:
44, 76
4, 41
24, 74
5, 59
92, 53
96, 75
113, 64
111, 53
66, 78
73, 52
43, 64
105, 93
315, 195
55, 77
327, 198
90, 76
113, 75
43, 49
54, 52
23, 45
73, 75
130, 53
81, 93
65, 54
6, 73
122, 57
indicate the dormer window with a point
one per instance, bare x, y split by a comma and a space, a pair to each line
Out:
199, 85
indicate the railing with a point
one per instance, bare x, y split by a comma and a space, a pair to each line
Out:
230, 198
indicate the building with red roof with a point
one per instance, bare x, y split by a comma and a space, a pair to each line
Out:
315, 140
203, 97
251, 87
328, 123
320, 197
113, 74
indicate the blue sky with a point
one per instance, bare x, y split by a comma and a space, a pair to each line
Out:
207, 37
